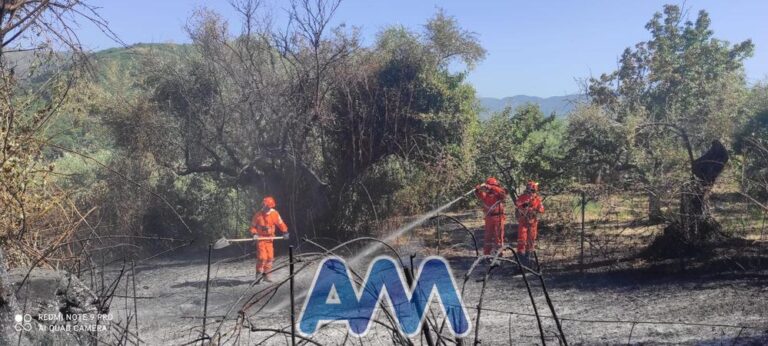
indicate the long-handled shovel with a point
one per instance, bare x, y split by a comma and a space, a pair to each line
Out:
224, 242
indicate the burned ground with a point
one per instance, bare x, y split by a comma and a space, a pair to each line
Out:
615, 297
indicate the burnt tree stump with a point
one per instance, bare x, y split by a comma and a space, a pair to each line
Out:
694, 231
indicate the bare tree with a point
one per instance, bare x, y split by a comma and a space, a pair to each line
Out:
40, 61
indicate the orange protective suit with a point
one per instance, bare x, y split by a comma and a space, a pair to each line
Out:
528, 207
263, 224
492, 195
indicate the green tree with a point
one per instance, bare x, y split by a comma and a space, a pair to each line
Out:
681, 89
597, 144
751, 142
404, 123
522, 144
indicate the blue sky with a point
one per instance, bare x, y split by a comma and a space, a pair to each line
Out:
539, 48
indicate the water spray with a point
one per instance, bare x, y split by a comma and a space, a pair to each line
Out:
367, 251
370, 249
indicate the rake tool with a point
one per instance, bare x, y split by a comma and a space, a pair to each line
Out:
224, 242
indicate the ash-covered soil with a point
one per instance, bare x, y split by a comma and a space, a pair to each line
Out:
639, 304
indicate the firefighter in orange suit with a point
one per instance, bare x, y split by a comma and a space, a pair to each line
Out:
263, 224
492, 195
528, 209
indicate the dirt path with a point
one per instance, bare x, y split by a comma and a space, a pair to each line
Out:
652, 308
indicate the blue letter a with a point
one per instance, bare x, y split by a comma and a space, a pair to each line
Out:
322, 305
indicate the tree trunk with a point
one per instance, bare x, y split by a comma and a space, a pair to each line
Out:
694, 206
695, 231
654, 208
655, 188
599, 178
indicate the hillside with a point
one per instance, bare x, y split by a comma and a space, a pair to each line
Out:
120, 58
561, 105
133, 53
131, 58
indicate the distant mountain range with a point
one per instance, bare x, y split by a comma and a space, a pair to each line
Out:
560, 105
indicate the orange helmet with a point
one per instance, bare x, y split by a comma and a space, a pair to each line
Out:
492, 181
532, 185
269, 202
